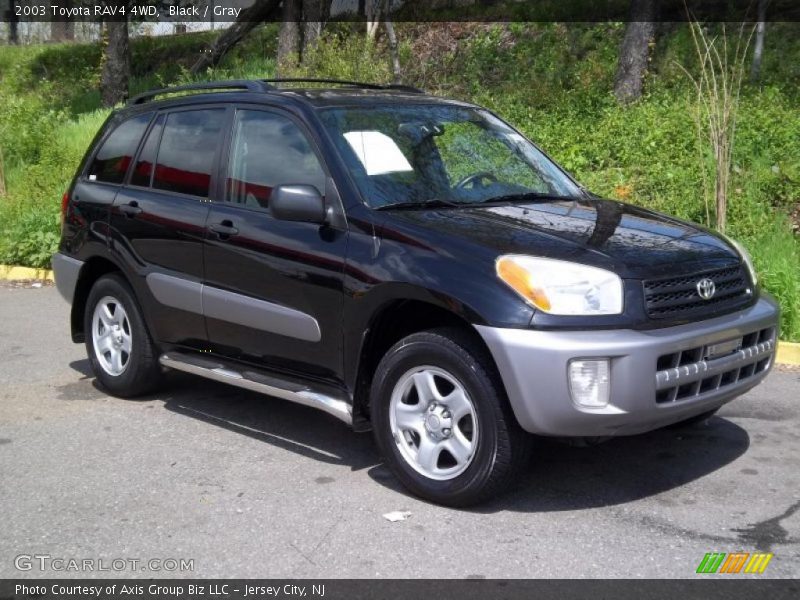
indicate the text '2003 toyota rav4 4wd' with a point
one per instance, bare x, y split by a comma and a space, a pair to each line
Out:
402, 262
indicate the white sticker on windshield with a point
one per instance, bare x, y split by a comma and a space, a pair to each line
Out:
377, 152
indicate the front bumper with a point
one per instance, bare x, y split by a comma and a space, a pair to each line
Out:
657, 377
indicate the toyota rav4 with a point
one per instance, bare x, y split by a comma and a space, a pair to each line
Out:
406, 263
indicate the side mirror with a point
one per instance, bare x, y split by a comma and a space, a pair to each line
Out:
297, 203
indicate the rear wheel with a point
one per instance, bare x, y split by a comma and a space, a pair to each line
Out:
442, 422
120, 350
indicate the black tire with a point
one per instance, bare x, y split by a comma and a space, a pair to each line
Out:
502, 449
142, 371
695, 420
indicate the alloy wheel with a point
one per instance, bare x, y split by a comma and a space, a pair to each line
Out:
434, 422
111, 336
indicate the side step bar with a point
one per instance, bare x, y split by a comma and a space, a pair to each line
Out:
259, 382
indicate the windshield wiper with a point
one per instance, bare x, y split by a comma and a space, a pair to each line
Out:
523, 197
432, 203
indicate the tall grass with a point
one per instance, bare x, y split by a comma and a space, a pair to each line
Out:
718, 86
777, 257
29, 219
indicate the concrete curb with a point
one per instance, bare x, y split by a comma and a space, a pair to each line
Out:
788, 352
13, 273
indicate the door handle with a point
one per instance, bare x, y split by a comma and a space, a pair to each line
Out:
223, 230
131, 209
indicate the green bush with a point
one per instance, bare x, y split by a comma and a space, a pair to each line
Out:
776, 254
29, 215
26, 126
338, 56
30, 239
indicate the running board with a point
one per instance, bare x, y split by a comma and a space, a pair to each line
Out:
258, 382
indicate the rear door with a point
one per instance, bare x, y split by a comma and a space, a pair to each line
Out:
158, 219
273, 293
94, 191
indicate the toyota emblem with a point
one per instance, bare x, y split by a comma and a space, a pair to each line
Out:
706, 288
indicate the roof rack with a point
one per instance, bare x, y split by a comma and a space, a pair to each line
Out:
234, 84
360, 84
263, 85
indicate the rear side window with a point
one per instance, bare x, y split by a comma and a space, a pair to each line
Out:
186, 154
147, 157
115, 155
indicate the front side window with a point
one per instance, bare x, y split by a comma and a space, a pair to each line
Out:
425, 153
115, 155
186, 154
269, 150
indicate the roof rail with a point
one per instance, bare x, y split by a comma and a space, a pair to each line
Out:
233, 84
263, 85
361, 84
373, 86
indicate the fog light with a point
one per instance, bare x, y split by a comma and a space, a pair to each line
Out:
588, 382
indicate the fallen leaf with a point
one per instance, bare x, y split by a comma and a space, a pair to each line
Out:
397, 515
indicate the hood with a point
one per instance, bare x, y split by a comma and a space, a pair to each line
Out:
631, 241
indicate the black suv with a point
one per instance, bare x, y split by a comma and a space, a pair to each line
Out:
403, 262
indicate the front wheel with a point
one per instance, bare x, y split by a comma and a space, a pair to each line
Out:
121, 352
442, 421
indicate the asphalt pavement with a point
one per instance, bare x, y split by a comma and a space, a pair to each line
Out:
244, 485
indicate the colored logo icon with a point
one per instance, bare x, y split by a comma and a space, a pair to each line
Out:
735, 562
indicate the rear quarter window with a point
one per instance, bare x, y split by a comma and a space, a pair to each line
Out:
116, 153
143, 171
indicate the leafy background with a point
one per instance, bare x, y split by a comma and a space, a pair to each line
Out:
552, 81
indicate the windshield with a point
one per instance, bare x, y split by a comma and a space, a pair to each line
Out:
422, 154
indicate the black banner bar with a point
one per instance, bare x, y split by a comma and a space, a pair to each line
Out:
705, 587
206, 11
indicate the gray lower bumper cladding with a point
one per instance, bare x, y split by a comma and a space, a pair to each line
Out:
657, 377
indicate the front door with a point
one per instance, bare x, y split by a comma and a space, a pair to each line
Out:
273, 289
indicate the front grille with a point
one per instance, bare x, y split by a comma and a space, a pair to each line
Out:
673, 297
690, 374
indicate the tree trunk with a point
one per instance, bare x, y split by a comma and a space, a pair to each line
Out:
13, 23
758, 50
116, 64
373, 14
361, 11
248, 19
2, 176
289, 36
315, 14
635, 51
396, 78
63, 29
721, 199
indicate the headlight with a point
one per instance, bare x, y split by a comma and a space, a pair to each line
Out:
561, 288
746, 258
